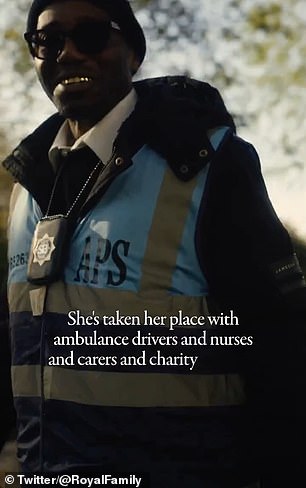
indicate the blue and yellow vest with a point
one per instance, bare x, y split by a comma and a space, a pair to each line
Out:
133, 253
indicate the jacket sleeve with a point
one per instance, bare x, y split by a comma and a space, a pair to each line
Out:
275, 366
253, 269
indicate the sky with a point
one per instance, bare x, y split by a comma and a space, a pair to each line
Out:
271, 117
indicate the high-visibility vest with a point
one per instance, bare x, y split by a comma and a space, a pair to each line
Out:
83, 400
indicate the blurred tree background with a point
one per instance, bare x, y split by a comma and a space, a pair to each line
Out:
253, 51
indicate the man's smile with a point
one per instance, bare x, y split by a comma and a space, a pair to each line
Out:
75, 79
72, 83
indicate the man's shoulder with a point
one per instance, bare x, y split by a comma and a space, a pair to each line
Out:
176, 82
183, 98
30, 150
242, 159
181, 95
175, 115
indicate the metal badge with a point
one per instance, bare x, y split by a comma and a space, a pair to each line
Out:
48, 250
43, 249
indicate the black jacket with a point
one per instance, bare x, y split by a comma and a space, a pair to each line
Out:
7, 417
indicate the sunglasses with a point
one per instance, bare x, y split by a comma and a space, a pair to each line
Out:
88, 38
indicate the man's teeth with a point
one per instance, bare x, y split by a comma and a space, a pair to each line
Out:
75, 79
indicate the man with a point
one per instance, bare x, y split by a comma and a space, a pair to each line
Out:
138, 201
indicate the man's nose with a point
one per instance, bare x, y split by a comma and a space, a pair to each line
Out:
69, 52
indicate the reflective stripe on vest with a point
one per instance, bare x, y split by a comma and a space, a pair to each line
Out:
113, 389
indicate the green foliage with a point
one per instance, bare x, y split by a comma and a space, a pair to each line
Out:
21, 62
141, 4
266, 17
277, 38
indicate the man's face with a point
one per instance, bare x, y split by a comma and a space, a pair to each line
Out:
84, 86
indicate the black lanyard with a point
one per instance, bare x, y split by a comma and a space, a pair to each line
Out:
53, 232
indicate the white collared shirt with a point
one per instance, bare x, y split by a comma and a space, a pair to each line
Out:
100, 138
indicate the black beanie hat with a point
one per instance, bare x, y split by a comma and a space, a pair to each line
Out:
120, 12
